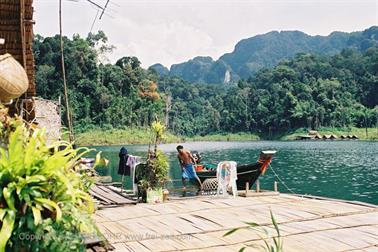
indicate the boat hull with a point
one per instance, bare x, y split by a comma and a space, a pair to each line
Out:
246, 173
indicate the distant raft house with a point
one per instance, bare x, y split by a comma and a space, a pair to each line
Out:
16, 38
314, 135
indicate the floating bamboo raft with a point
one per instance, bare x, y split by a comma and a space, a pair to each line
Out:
199, 224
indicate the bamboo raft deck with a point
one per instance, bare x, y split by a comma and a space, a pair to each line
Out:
199, 224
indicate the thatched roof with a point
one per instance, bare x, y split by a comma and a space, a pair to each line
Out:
304, 137
312, 132
18, 39
318, 136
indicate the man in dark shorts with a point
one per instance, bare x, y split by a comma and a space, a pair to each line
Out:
187, 166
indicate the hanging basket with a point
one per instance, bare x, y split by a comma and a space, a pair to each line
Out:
13, 79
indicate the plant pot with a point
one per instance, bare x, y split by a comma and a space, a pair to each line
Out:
142, 193
155, 196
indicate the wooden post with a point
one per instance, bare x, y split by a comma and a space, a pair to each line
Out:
275, 186
22, 31
122, 183
246, 188
257, 185
69, 121
168, 107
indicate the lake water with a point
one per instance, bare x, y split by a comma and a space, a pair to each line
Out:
338, 169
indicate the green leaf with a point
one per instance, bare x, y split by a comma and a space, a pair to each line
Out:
252, 224
97, 160
266, 244
15, 150
2, 213
49, 204
87, 198
7, 193
274, 223
30, 150
242, 249
37, 216
6, 229
35, 179
231, 231
276, 243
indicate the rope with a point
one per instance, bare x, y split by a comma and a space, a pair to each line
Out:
275, 174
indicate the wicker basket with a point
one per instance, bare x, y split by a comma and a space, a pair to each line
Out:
13, 79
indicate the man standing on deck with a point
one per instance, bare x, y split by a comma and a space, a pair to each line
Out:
187, 166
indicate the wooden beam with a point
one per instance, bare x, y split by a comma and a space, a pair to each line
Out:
22, 32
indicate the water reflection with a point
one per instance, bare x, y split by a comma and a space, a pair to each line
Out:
338, 169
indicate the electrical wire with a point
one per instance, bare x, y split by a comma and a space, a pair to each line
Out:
94, 21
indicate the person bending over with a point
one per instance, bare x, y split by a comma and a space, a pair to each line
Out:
187, 167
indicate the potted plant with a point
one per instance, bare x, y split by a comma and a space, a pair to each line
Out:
154, 173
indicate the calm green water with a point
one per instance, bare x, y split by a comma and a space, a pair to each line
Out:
337, 169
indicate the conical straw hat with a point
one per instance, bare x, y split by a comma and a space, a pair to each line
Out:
13, 79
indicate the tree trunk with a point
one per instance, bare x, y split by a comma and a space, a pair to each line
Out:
168, 107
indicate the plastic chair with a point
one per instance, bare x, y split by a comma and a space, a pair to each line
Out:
227, 176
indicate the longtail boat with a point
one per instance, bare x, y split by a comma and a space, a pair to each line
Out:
246, 173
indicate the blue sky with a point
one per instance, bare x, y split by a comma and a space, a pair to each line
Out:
173, 31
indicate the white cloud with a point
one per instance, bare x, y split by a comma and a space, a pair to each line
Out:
172, 31
162, 42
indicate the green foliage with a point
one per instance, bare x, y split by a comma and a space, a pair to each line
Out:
194, 70
158, 131
135, 135
101, 94
308, 91
44, 204
241, 136
155, 172
276, 246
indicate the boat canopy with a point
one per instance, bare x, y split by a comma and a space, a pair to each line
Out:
269, 152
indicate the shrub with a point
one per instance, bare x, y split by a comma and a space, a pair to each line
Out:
44, 204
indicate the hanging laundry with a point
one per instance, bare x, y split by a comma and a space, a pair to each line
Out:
132, 162
123, 167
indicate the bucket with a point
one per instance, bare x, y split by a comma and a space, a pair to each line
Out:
165, 195
199, 167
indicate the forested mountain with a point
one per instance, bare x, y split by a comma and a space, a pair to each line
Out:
267, 50
160, 69
310, 90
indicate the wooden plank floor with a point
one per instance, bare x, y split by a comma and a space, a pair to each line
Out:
106, 196
199, 224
